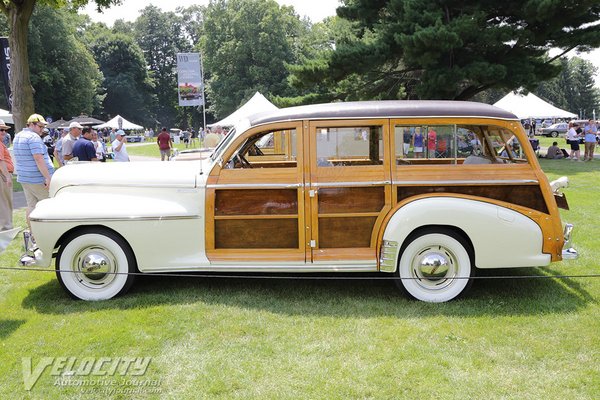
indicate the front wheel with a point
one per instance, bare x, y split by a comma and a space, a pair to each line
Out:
554, 134
435, 266
95, 265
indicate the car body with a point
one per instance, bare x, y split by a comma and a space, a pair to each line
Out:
319, 188
555, 130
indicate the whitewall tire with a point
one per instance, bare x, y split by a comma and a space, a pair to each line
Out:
430, 265
94, 265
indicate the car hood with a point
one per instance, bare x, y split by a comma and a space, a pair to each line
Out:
147, 173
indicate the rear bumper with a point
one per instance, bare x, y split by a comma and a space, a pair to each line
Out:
568, 251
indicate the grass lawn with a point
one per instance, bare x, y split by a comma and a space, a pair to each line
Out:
280, 339
151, 150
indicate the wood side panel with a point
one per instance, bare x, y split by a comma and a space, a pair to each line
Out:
254, 255
529, 196
345, 232
256, 202
256, 234
359, 254
351, 200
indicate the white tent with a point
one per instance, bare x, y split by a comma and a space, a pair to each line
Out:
531, 106
119, 122
6, 116
258, 103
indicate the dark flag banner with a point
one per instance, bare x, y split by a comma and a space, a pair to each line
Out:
5, 65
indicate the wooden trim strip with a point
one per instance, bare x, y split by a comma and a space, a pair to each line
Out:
257, 216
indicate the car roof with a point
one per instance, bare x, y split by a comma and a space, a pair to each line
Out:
382, 109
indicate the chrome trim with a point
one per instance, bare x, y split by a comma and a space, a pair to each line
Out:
269, 268
568, 252
344, 184
388, 256
129, 185
254, 185
131, 218
470, 182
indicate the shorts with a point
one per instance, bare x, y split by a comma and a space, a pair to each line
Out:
34, 192
418, 149
406, 147
574, 145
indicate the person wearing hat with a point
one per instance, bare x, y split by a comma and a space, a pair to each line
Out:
6, 170
69, 140
118, 146
33, 163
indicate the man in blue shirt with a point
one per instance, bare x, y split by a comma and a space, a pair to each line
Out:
33, 166
590, 130
84, 149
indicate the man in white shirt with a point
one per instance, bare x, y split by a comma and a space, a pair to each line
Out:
119, 148
69, 141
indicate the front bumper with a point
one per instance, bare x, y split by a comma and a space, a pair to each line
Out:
568, 252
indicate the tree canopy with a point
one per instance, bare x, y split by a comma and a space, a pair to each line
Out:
449, 49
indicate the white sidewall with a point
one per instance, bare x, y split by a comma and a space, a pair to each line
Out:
70, 280
455, 286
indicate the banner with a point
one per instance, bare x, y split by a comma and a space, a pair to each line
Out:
5, 65
189, 79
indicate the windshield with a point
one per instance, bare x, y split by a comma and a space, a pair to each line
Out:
222, 145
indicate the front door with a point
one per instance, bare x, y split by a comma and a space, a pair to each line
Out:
255, 199
349, 189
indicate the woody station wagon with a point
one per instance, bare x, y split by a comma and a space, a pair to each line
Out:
426, 191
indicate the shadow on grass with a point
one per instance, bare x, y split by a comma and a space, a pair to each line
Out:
8, 326
343, 298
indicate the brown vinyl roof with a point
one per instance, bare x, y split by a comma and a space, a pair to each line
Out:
383, 109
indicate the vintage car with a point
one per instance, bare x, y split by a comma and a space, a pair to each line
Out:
425, 191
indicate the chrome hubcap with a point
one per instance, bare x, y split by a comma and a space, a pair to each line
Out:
95, 267
434, 267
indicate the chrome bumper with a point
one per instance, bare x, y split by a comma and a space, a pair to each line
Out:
32, 253
568, 252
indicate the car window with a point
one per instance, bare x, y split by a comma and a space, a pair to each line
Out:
349, 146
269, 149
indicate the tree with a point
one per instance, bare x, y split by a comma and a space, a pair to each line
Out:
246, 45
64, 74
19, 13
161, 36
129, 88
452, 49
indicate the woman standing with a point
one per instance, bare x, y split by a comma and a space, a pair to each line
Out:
573, 140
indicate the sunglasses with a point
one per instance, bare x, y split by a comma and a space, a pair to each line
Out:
2, 130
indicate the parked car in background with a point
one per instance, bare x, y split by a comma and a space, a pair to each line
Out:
331, 188
555, 130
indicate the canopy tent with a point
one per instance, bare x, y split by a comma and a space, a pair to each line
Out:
6, 116
531, 106
119, 122
58, 124
258, 103
85, 120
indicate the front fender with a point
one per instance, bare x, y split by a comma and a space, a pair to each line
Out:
501, 237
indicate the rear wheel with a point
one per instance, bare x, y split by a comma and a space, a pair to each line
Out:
95, 265
554, 134
435, 266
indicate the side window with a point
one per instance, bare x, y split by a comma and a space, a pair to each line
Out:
271, 149
425, 141
346, 146
490, 145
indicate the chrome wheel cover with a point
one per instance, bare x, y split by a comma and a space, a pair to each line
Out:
94, 267
434, 268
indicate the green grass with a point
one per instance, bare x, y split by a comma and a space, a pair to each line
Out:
547, 142
279, 339
151, 150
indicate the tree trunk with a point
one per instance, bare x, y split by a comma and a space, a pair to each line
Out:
20, 84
